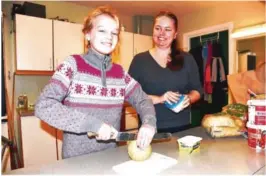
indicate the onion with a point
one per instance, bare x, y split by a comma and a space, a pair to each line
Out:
138, 154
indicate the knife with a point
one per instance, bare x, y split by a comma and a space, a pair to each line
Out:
125, 136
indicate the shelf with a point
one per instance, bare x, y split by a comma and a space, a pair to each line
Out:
31, 72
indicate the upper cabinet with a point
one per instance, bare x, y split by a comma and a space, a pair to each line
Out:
68, 40
142, 43
130, 45
42, 44
126, 49
34, 43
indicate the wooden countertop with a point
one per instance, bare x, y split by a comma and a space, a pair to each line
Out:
22, 112
25, 112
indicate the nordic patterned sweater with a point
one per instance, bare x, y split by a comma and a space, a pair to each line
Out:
77, 101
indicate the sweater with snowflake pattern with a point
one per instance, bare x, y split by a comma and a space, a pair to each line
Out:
85, 92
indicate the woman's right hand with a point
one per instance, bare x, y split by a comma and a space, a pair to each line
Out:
106, 132
170, 97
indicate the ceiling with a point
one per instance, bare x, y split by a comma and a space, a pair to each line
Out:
134, 7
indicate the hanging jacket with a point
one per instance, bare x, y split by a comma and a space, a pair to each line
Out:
207, 72
197, 55
217, 63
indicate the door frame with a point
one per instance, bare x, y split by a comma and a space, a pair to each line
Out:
231, 44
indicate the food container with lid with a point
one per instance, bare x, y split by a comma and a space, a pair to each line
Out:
176, 107
256, 136
189, 144
257, 112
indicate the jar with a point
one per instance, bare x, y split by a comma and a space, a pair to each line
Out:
23, 101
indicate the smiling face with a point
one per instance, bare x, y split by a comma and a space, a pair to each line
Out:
103, 36
164, 32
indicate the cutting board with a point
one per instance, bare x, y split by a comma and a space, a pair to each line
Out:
154, 165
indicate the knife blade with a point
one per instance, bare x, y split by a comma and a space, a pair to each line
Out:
125, 136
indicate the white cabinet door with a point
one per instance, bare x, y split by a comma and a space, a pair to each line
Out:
142, 43
38, 141
68, 40
126, 49
130, 45
33, 43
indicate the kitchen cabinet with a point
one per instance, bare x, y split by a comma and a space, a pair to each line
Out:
130, 118
126, 49
59, 143
42, 44
38, 142
68, 40
34, 43
142, 43
130, 45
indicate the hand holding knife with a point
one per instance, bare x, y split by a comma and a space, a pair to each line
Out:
126, 136
106, 132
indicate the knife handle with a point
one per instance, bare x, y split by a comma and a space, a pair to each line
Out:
92, 134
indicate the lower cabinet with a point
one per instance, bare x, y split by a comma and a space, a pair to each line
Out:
42, 144
59, 143
130, 119
39, 142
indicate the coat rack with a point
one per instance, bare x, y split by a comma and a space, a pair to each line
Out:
210, 38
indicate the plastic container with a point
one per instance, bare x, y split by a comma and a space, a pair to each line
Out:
189, 144
257, 112
176, 107
256, 136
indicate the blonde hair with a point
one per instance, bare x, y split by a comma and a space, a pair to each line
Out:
102, 10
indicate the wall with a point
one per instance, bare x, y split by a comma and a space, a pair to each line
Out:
255, 45
242, 14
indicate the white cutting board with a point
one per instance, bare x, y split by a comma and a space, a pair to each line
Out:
154, 165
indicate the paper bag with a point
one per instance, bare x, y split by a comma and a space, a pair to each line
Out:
240, 83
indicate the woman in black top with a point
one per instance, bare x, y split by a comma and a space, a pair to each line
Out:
165, 72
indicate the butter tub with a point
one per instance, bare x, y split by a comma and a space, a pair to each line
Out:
189, 144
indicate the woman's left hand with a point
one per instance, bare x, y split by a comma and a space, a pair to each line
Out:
145, 135
186, 101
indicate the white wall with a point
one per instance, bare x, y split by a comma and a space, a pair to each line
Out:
241, 13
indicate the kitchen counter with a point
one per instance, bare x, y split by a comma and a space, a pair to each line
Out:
25, 112
216, 156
